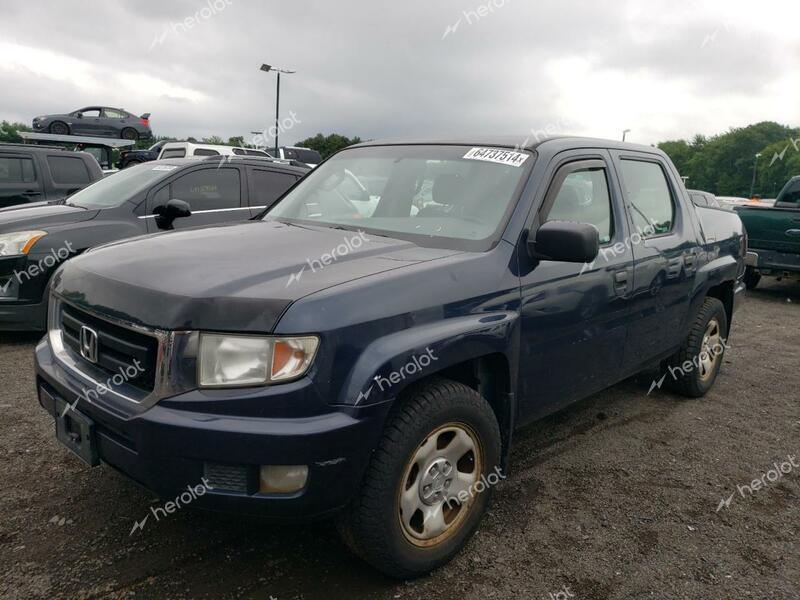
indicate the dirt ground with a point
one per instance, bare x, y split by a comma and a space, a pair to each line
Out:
616, 497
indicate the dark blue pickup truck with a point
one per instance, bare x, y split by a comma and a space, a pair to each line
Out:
367, 348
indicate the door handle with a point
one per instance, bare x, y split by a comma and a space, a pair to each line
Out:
621, 277
793, 232
31, 193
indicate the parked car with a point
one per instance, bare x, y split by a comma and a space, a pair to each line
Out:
322, 362
128, 158
41, 174
774, 235
97, 121
311, 157
149, 198
188, 149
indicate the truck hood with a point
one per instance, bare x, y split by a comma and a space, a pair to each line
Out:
40, 215
238, 277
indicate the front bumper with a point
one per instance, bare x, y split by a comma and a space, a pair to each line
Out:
25, 310
175, 443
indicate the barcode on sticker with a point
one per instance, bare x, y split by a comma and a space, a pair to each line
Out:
497, 155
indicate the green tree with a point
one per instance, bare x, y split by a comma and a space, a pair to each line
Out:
9, 132
214, 139
327, 145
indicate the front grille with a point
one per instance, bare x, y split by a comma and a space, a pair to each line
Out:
117, 347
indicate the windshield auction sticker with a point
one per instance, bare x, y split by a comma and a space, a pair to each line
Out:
497, 155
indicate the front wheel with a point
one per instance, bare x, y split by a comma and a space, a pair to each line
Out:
429, 482
58, 128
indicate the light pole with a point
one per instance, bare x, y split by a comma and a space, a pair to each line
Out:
755, 166
267, 69
625, 133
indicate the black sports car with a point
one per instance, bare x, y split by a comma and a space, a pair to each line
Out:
98, 121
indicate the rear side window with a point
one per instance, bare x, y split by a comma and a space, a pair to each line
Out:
649, 196
68, 169
290, 153
110, 113
268, 186
16, 170
205, 152
209, 189
174, 153
239, 152
584, 198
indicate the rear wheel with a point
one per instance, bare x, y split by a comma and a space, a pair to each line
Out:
58, 128
428, 483
693, 370
751, 278
130, 134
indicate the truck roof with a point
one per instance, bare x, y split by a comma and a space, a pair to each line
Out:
523, 141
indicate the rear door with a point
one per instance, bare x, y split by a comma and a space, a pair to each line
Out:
20, 180
665, 254
113, 121
215, 195
574, 316
266, 186
68, 174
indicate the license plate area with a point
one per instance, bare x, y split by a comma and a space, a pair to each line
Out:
76, 431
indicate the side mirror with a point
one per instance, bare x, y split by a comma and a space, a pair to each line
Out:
167, 213
565, 241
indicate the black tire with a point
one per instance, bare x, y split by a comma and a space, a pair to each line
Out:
58, 128
129, 134
131, 163
371, 526
751, 278
693, 379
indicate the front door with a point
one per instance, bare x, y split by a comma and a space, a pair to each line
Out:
574, 316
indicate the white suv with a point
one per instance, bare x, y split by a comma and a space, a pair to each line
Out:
188, 149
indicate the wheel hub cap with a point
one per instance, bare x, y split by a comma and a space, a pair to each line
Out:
436, 481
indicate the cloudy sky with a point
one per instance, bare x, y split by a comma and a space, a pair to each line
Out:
664, 69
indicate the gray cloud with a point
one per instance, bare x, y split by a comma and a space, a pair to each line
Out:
376, 69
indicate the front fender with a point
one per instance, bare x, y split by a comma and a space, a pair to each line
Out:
391, 363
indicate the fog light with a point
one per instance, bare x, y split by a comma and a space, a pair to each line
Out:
281, 479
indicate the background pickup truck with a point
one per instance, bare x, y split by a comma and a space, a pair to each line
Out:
31, 174
774, 235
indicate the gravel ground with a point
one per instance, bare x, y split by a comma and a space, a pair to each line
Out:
615, 497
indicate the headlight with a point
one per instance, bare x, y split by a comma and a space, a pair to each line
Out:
13, 244
239, 360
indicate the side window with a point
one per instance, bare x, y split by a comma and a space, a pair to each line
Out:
268, 186
160, 198
790, 196
584, 197
90, 113
68, 169
16, 170
699, 199
290, 153
205, 152
239, 151
110, 113
174, 153
208, 189
649, 196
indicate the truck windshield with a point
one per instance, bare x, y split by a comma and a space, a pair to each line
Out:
118, 188
442, 196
